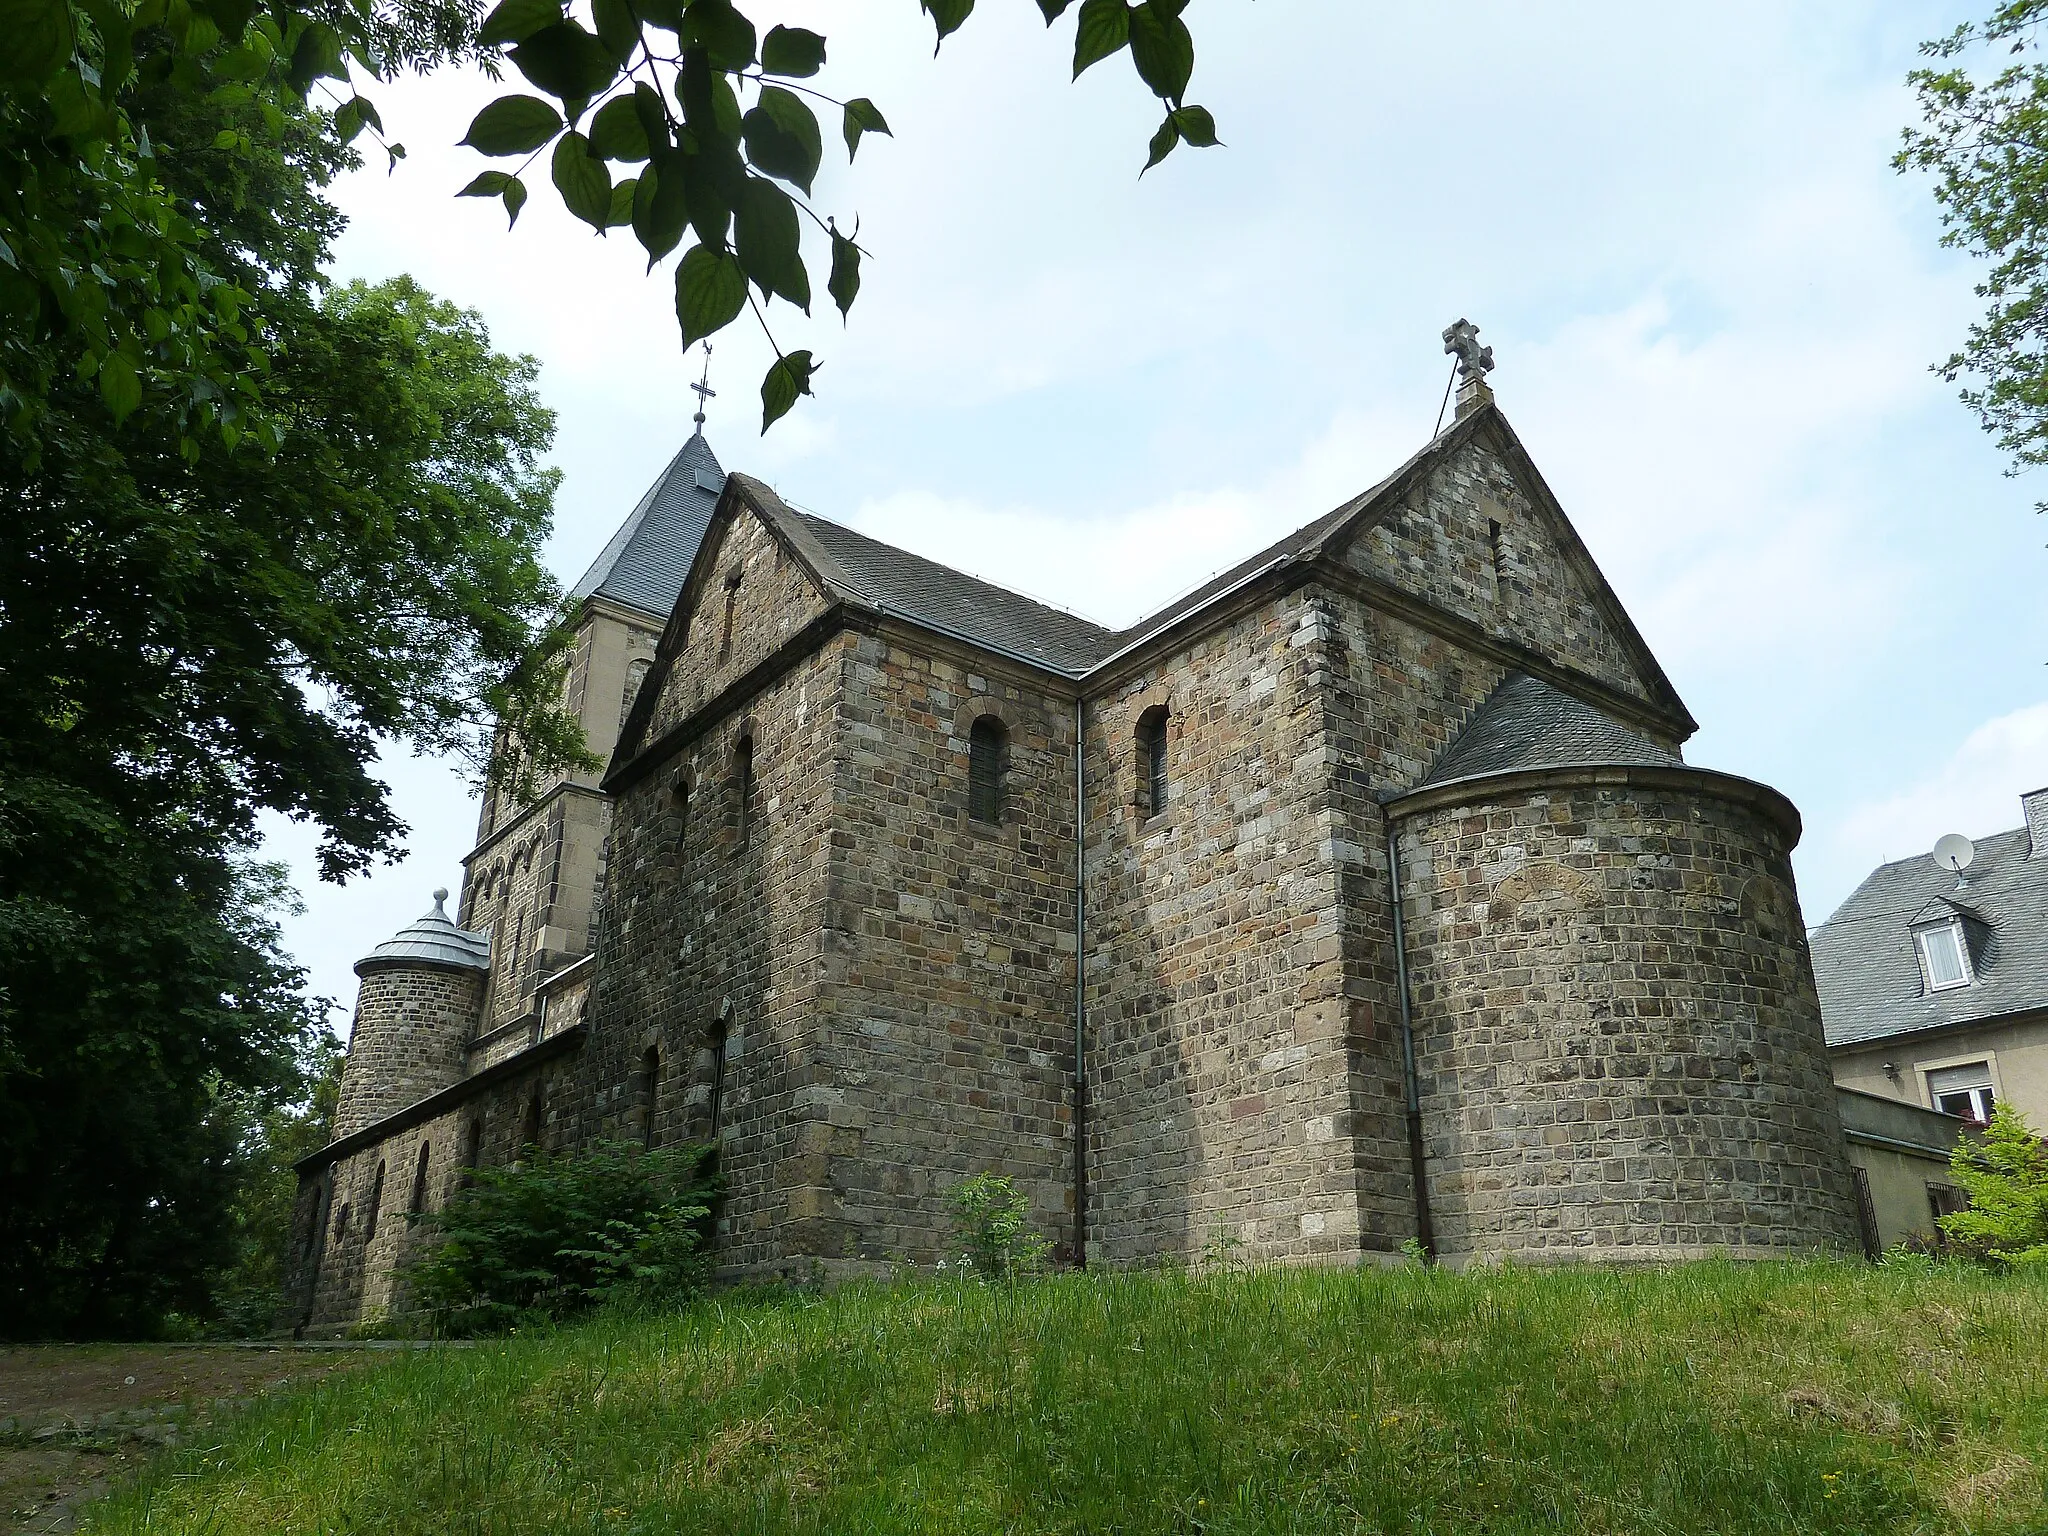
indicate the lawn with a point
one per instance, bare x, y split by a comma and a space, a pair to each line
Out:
1808, 1398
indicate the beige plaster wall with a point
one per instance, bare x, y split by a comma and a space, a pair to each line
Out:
2016, 1048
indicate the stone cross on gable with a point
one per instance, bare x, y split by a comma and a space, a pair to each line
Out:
703, 387
1473, 359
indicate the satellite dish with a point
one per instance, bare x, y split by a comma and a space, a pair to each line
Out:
1953, 852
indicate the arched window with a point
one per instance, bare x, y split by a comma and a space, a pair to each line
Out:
1152, 761
376, 1204
636, 674
529, 1130
987, 751
341, 1222
418, 1202
743, 787
650, 1096
472, 1151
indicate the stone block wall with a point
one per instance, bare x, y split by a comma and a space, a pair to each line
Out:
1618, 1039
947, 1043
412, 1022
1219, 1091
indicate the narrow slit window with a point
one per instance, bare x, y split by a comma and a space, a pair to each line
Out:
529, 1132
987, 747
376, 1205
1152, 761
472, 1151
732, 602
1499, 554
717, 1105
650, 1097
418, 1202
679, 812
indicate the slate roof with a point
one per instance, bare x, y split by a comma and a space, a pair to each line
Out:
886, 577
1528, 723
1868, 970
647, 559
435, 939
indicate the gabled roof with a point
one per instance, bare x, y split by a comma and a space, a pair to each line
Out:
1528, 723
645, 563
1868, 970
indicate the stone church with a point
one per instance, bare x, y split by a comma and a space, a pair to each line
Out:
1362, 895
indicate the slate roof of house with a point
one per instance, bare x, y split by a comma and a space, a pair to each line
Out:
435, 939
647, 559
1528, 723
1868, 968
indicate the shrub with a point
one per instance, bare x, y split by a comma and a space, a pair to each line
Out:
552, 1235
2006, 1177
994, 1219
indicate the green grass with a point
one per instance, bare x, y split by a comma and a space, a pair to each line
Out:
1810, 1398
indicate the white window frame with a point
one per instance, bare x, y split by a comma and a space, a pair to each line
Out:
1920, 937
1986, 1059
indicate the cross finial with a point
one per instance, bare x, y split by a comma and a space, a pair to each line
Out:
703, 387
1463, 340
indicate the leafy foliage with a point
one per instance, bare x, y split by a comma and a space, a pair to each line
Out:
993, 1218
1985, 142
553, 1235
2006, 1177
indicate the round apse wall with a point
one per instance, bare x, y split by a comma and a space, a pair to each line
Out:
1618, 1041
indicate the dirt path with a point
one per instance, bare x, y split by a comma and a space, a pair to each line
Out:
75, 1419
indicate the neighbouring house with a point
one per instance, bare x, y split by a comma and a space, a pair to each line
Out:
1934, 989
1361, 896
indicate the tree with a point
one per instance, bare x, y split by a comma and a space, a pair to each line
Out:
194, 630
2006, 1177
710, 110
1985, 142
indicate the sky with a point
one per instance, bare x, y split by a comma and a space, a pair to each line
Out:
1712, 302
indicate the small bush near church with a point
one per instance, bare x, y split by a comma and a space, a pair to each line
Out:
551, 1236
2006, 1177
994, 1221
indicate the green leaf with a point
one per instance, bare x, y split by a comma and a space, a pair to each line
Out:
317, 55
566, 62
948, 16
1104, 27
514, 21
1163, 49
79, 113
862, 116
617, 28
1162, 143
513, 125
38, 34
616, 134
583, 180
487, 184
782, 137
844, 282
1053, 9
793, 52
623, 193
515, 199
659, 207
766, 237
1196, 126
711, 290
348, 119
653, 120
121, 388
787, 378
726, 36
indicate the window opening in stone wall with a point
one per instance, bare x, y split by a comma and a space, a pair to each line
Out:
472, 1152
1499, 559
341, 1222
743, 787
418, 1202
679, 811
529, 1130
1943, 956
376, 1205
1152, 761
987, 747
1963, 1091
732, 602
650, 1096
717, 1105
636, 674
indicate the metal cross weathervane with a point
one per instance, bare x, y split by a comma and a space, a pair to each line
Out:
706, 392
1474, 361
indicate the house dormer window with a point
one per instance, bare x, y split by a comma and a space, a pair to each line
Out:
1944, 957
